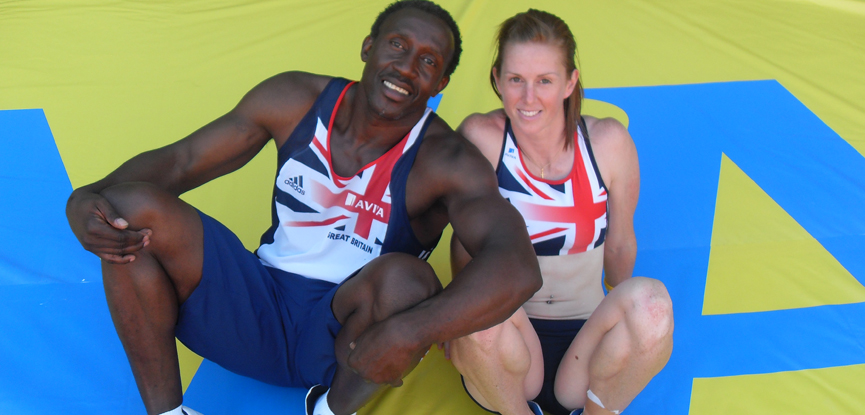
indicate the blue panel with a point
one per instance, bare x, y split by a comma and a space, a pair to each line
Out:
216, 391
36, 245
434, 102
59, 353
58, 349
813, 174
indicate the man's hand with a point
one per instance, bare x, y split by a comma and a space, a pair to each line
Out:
384, 354
101, 230
446, 346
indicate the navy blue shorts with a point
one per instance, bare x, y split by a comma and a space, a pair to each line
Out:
258, 321
556, 337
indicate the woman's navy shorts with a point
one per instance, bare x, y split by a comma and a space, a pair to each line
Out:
556, 337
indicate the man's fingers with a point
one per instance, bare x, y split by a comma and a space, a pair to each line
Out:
104, 239
117, 259
110, 215
134, 248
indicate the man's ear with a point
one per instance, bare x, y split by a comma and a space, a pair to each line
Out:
365, 48
442, 84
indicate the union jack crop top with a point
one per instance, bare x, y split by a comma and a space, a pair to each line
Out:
325, 226
566, 216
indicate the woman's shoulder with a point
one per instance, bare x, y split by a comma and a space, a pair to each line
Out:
607, 131
485, 131
481, 125
613, 148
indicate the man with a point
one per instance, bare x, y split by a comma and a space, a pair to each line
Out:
336, 295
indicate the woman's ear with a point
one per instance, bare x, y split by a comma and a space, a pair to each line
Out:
572, 82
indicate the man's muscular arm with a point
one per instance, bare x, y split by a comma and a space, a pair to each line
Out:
271, 109
502, 275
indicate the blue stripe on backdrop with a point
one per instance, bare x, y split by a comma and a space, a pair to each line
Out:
58, 350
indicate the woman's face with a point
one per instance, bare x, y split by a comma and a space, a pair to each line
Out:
534, 83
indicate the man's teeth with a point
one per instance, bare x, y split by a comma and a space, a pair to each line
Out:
529, 113
395, 88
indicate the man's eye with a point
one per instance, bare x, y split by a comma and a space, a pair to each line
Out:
429, 61
546, 81
396, 44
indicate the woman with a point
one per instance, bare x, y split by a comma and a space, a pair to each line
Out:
576, 182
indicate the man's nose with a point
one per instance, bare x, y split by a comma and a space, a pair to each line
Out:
406, 65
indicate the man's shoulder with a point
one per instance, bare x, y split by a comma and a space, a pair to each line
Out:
292, 87
446, 152
440, 139
280, 102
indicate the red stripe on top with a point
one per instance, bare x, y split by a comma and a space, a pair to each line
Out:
327, 153
313, 223
531, 186
549, 232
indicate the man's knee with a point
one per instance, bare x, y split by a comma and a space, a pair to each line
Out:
139, 203
395, 282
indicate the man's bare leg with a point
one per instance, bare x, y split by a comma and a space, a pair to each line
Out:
386, 286
627, 341
144, 295
502, 366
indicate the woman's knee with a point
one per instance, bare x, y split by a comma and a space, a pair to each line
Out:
650, 311
485, 341
502, 345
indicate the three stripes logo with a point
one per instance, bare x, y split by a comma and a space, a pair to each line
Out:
296, 183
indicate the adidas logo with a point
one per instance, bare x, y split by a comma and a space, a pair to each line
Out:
296, 183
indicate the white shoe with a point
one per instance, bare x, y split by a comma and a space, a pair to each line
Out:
312, 397
187, 411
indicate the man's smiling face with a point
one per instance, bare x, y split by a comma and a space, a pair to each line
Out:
406, 62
